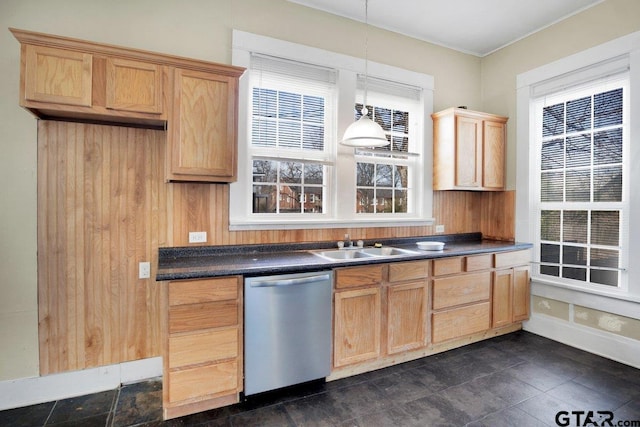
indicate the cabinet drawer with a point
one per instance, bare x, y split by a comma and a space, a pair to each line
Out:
203, 381
461, 321
478, 262
353, 277
399, 271
202, 347
199, 291
507, 259
191, 317
464, 289
447, 266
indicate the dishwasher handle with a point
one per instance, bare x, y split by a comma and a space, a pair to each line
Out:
290, 282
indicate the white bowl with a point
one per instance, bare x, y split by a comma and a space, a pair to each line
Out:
431, 246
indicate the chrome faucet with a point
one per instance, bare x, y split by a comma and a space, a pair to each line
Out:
347, 241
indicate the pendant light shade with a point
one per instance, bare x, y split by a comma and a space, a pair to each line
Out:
364, 133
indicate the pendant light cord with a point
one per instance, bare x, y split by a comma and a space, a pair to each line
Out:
366, 54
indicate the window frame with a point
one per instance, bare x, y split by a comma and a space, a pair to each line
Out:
621, 54
340, 211
409, 158
537, 205
324, 157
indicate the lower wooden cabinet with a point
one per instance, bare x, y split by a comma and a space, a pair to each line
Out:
461, 305
379, 310
406, 316
511, 295
502, 298
357, 321
521, 293
203, 354
476, 293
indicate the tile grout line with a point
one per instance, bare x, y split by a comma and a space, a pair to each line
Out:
114, 407
50, 412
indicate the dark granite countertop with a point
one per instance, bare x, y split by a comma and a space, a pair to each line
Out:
282, 258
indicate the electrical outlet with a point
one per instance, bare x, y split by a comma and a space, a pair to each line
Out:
440, 228
144, 270
197, 237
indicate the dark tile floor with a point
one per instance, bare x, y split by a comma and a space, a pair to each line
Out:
519, 379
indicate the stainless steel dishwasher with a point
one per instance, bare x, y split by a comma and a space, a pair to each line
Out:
287, 330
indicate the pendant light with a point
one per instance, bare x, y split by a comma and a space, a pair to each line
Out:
364, 132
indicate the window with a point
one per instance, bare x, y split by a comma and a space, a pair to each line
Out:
292, 109
293, 173
581, 204
385, 177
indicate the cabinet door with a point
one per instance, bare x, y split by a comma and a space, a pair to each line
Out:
202, 137
468, 154
357, 317
406, 316
57, 76
133, 86
502, 298
521, 293
493, 155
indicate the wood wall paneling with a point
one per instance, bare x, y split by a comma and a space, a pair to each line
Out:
101, 210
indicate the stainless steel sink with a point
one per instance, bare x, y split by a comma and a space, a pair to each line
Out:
347, 254
387, 251
343, 254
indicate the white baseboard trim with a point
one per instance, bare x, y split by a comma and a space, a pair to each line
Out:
612, 346
30, 391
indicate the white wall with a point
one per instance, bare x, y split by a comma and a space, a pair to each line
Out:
199, 29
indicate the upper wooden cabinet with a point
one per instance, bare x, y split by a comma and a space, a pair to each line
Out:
133, 86
202, 133
195, 101
468, 150
57, 76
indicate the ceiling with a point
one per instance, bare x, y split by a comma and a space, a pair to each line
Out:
477, 27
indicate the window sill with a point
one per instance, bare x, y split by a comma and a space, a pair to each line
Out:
310, 224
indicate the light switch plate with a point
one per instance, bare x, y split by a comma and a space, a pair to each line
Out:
440, 228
